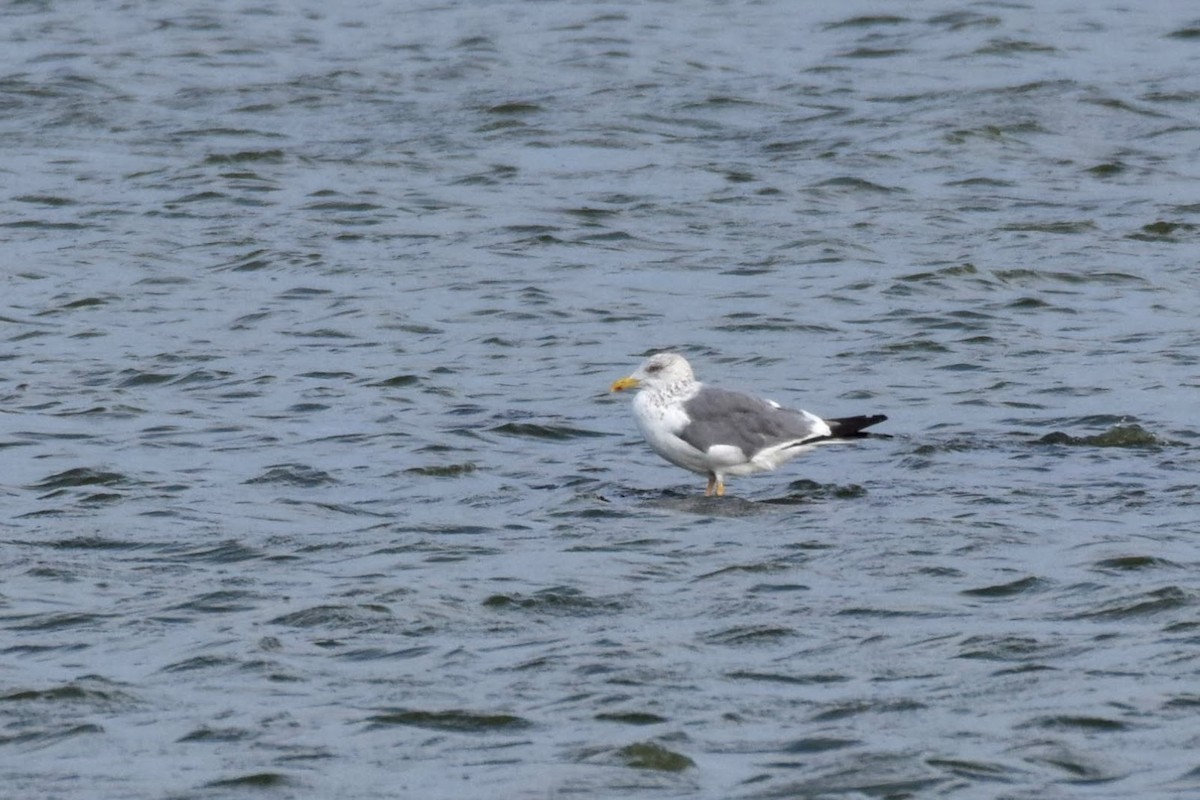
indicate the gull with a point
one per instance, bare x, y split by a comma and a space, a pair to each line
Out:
718, 432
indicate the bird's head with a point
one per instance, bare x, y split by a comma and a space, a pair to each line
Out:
660, 369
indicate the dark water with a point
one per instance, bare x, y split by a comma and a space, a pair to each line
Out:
312, 488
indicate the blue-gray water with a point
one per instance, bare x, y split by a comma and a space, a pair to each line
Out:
311, 485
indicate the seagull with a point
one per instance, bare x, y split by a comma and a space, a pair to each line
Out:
718, 432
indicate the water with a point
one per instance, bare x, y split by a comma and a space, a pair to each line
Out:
311, 484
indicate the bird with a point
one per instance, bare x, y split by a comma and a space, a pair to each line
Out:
719, 432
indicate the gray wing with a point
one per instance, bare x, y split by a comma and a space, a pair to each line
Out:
719, 416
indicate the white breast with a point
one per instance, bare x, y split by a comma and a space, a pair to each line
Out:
660, 422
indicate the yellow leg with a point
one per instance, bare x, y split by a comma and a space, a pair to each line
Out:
715, 486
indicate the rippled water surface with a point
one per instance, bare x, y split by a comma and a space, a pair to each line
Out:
312, 487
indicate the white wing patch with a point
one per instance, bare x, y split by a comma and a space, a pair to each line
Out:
820, 426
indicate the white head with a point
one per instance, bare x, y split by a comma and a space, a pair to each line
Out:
659, 371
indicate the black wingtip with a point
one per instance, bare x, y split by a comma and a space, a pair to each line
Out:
852, 427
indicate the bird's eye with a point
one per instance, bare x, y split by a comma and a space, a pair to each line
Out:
654, 368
